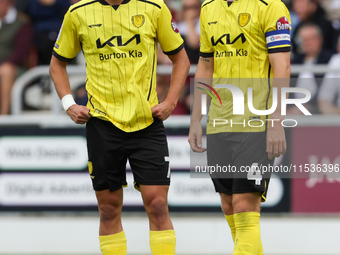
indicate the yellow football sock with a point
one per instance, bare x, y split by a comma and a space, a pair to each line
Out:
113, 244
230, 220
248, 234
163, 242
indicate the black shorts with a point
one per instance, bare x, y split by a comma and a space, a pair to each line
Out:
236, 159
109, 148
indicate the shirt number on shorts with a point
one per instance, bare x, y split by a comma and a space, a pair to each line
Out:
167, 159
255, 174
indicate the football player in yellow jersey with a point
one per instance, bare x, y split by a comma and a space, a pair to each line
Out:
244, 43
123, 118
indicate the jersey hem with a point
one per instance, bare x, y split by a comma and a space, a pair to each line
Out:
174, 51
61, 57
282, 49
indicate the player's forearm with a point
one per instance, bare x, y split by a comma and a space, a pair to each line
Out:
180, 70
205, 71
60, 77
281, 69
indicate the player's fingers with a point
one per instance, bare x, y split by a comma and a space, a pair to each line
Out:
199, 141
85, 118
276, 148
79, 121
198, 144
284, 148
155, 110
269, 149
281, 145
193, 144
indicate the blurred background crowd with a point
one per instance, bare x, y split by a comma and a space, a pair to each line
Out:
29, 28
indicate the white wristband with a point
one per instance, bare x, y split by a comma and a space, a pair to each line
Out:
67, 101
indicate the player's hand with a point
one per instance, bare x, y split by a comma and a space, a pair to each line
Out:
195, 137
163, 110
276, 140
79, 113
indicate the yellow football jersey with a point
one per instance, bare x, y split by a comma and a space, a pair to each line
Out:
120, 48
239, 37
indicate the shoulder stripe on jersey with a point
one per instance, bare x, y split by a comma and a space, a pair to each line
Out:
61, 58
264, 2
75, 8
281, 49
145, 1
207, 3
174, 51
206, 55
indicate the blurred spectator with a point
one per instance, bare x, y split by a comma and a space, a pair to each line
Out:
332, 7
174, 14
329, 95
189, 28
162, 59
15, 43
311, 39
309, 11
47, 17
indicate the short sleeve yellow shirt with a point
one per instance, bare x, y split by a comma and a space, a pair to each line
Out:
240, 36
120, 48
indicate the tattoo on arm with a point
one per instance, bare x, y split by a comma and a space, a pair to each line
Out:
205, 59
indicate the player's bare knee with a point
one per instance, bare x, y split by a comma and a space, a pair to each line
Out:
226, 202
247, 202
109, 212
227, 208
157, 207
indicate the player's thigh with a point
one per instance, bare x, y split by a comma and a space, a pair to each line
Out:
107, 158
109, 202
249, 159
226, 202
246, 202
155, 196
149, 155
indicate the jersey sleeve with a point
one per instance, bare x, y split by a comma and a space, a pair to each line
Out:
168, 35
206, 49
276, 25
67, 44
